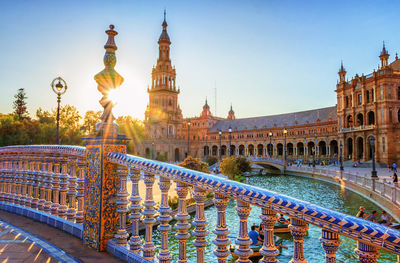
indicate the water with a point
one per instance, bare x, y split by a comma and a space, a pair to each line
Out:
322, 193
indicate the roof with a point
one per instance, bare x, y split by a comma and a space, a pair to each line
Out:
395, 65
280, 120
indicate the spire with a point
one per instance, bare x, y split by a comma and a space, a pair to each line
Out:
231, 114
384, 56
384, 51
342, 72
396, 56
342, 69
164, 35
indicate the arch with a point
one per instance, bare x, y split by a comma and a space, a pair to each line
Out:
147, 153
371, 118
311, 148
398, 115
233, 149
241, 149
289, 148
322, 148
369, 150
206, 150
360, 119
177, 159
300, 148
279, 148
260, 150
350, 148
270, 149
223, 150
349, 121
250, 149
334, 147
214, 150
360, 148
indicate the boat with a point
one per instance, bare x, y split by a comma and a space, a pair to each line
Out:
256, 256
281, 228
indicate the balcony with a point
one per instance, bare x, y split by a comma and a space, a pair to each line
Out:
358, 128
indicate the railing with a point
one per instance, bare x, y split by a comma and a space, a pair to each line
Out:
359, 128
50, 180
266, 160
379, 186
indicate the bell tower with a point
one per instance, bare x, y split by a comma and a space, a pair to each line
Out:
163, 115
384, 56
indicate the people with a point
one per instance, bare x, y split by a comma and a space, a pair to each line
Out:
394, 167
361, 212
255, 237
372, 217
282, 220
386, 220
395, 179
261, 231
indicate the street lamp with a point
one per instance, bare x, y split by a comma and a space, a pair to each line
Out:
373, 172
206, 151
284, 149
59, 88
220, 149
270, 143
152, 150
188, 142
340, 157
230, 138
313, 156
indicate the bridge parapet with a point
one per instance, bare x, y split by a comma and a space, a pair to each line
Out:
34, 180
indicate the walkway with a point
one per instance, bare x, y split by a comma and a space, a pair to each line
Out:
18, 248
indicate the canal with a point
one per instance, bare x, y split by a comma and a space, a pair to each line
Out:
318, 192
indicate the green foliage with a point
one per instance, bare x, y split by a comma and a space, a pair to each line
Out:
133, 129
211, 160
173, 202
234, 167
19, 104
194, 164
161, 157
90, 120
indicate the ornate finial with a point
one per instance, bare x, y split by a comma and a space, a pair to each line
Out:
165, 14
108, 79
397, 56
164, 24
384, 51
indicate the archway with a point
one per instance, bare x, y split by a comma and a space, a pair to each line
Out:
177, 159
233, 149
371, 118
369, 150
350, 148
300, 148
360, 148
360, 119
241, 149
310, 146
147, 153
251, 149
280, 149
289, 147
322, 148
214, 150
334, 148
206, 150
223, 150
270, 148
260, 150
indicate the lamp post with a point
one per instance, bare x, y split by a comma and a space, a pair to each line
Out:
220, 149
188, 142
313, 156
373, 172
340, 157
59, 88
270, 143
152, 150
284, 149
206, 150
230, 139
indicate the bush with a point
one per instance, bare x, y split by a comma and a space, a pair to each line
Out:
211, 160
234, 167
194, 164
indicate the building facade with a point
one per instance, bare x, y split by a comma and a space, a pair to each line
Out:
368, 107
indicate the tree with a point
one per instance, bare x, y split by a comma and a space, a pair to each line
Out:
211, 160
234, 167
194, 164
133, 129
20, 104
90, 120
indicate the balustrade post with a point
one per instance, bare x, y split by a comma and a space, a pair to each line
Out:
200, 232
35, 182
182, 226
41, 184
48, 185
12, 179
148, 212
30, 181
2, 177
243, 241
330, 242
80, 189
71, 194
298, 228
221, 229
366, 253
135, 242
62, 208
8, 179
269, 250
55, 187
165, 216
122, 203
18, 179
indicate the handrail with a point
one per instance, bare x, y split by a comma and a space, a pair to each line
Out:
61, 149
343, 224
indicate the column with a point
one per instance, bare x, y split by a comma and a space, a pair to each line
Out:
243, 240
200, 222
48, 185
42, 183
330, 243
71, 194
80, 188
182, 217
366, 253
221, 229
122, 203
148, 212
62, 208
164, 256
35, 183
55, 187
135, 242
298, 228
269, 250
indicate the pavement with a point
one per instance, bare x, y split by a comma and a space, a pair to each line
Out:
25, 240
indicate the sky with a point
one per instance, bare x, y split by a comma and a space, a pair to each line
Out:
263, 57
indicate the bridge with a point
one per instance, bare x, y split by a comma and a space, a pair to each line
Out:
83, 191
273, 165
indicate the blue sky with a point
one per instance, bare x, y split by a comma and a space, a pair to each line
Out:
264, 57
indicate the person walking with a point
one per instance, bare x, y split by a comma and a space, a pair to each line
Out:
395, 179
394, 167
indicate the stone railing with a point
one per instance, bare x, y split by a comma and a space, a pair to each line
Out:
369, 236
47, 183
255, 159
359, 128
380, 186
